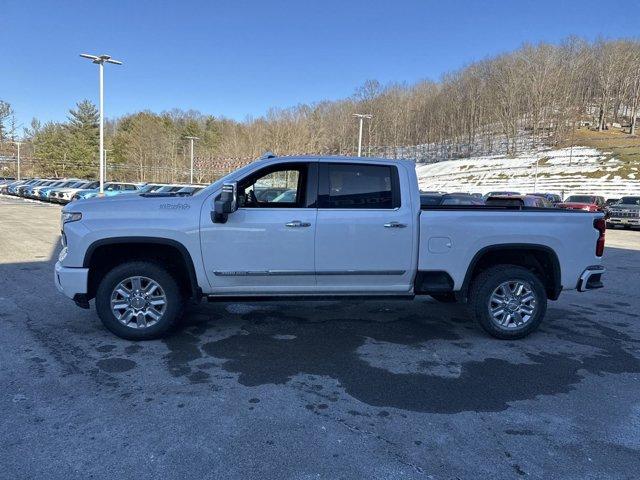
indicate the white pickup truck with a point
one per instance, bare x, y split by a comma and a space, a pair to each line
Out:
317, 227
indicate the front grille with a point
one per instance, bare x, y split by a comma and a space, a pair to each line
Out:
625, 213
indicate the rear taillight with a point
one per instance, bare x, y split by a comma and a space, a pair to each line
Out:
601, 225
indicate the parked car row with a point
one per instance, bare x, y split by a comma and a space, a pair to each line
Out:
497, 199
67, 190
623, 211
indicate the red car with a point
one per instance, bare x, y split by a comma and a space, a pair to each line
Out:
588, 203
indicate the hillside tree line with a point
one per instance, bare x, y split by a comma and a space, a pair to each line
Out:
534, 95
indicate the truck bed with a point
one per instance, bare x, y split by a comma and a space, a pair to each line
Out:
451, 236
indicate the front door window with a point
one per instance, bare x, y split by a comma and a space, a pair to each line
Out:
283, 187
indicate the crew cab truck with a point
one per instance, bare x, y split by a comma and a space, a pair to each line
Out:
347, 227
626, 213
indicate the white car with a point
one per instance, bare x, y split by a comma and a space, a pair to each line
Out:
354, 227
64, 195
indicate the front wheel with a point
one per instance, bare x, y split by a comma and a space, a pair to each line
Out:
508, 301
138, 300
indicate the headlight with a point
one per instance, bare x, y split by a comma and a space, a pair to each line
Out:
69, 217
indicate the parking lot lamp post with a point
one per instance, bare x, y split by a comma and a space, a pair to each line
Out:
100, 61
361, 117
191, 170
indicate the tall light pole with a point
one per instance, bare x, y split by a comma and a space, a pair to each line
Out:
100, 61
361, 116
192, 139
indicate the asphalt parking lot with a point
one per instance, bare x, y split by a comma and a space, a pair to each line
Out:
313, 390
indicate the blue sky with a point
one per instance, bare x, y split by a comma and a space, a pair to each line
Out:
238, 58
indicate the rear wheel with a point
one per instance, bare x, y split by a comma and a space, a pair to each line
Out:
138, 300
508, 301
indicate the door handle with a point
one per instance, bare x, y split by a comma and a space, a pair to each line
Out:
395, 225
297, 224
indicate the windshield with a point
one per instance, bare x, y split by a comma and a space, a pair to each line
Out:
229, 177
150, 187
581, 199
629, 201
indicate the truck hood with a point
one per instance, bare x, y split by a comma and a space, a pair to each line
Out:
132, 204
625, 206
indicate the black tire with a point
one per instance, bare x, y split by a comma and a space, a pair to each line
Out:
489, 280
627, 227
151, 270
448, 297
610, 226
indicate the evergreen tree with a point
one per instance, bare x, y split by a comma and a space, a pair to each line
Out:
83, 137
84, 119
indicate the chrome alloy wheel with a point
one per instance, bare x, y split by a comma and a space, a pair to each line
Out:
512, 304
138, 302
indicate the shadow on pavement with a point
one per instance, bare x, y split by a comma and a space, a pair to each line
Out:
417, 356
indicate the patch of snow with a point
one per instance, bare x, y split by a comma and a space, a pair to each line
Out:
564, 171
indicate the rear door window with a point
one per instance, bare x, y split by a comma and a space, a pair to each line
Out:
358, 186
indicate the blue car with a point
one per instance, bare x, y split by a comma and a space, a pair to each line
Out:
111, 189
12, 188
20, 187
31, 191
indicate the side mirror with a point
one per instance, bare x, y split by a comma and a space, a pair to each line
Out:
226, 204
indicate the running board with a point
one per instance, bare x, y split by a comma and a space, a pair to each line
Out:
304, 298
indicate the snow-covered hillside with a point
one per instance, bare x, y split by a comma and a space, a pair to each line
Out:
564, 171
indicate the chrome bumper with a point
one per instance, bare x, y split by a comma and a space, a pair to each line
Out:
624, 220
591, 278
